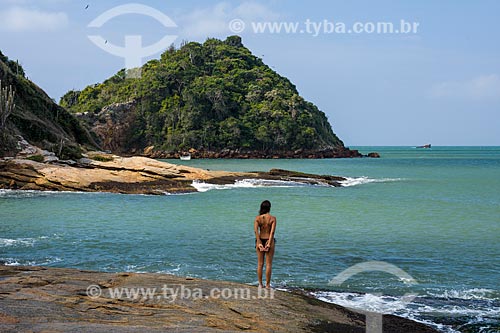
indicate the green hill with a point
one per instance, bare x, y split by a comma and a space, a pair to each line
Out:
211, 97
36, 117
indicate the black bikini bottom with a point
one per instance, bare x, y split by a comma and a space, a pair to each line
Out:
263, 241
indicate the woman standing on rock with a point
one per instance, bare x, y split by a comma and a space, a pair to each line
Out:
264, 227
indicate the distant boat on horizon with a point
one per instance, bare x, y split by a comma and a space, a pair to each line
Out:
424, 146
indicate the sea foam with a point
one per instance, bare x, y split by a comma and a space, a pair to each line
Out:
476, 304
355, 181
244, 183
202, 186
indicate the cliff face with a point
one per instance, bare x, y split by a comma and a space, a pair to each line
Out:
113, 125
37, 118
208, 97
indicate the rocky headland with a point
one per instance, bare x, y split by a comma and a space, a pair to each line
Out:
40, 299
36, 169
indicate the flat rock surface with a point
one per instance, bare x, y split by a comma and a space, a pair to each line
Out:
39, 299
140, 175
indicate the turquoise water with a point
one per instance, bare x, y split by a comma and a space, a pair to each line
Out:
433, 213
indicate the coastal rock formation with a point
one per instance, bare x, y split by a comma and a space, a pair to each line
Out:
339, 152
100, 172
38, 299
112, 125
37, 118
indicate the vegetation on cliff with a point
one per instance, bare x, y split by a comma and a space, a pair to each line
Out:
7, 104
36, 117
209, 96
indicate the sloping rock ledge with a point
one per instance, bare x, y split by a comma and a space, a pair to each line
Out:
137, 175
39, 299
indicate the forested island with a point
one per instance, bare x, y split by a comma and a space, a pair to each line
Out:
215, 99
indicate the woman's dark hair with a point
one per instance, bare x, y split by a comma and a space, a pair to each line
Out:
265, 207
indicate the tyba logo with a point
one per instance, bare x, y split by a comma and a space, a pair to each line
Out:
133, 51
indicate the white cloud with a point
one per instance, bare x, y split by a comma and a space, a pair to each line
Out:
214, 21
21, 19
480, 88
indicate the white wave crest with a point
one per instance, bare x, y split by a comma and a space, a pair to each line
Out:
7, 242
34, 193
244, 183
10, 262
366, 302
354, 181
254, 183
469, 294
474, 303
20, 262
25, 241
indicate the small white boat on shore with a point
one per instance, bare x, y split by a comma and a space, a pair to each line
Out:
185, 157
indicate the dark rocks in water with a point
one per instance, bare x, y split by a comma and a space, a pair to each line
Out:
373, 155
307, 178
39, 299
339, 152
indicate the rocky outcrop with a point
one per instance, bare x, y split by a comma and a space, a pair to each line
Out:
140, 175
28, 151
37, 299
112, 125
339, 152
373, 155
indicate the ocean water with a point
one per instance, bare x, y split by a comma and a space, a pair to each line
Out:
415, 233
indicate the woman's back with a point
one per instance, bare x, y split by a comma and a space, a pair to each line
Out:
265, 222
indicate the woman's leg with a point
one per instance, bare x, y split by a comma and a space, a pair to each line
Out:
260, 265
269, 265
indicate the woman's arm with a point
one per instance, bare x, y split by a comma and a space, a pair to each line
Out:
257, 236
271, 234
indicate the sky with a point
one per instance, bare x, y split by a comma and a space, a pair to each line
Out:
435, 81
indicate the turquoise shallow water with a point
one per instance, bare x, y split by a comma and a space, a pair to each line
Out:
433, 213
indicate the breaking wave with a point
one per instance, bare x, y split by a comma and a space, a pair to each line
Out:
463, 308
202, 186
355, 181
25, 262
245, 183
